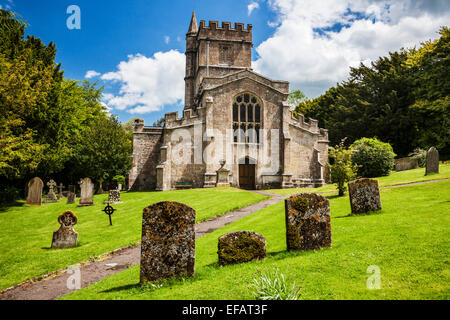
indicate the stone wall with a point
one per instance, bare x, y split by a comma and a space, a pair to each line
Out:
146, 149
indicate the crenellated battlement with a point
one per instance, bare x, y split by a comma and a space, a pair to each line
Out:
189, 117
214, 31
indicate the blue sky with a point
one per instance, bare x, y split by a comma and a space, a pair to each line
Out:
309, 43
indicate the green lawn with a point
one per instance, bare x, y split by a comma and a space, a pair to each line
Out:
401, 177
408, 240
26, 232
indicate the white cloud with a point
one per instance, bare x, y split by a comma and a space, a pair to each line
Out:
166, 39
252, 6
147, 84
313, 61
91, 74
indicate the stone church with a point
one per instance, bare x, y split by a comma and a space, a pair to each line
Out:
236, 128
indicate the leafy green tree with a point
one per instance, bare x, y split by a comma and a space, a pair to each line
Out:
373, 157
295, 97
342, 169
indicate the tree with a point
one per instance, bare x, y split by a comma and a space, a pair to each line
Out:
105, 151
372, 157
295, 97
342, 169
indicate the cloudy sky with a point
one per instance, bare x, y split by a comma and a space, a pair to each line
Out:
135, 49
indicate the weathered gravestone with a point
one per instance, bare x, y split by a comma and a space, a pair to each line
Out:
168, 241
432, 165
86, 193
241, 246
71, 195
34, 197
65, 236
114, 196
308, 222
51, 196
364, 195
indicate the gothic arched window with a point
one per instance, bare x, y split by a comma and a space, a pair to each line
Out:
246, 118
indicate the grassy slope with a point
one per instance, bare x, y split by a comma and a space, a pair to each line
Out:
401, 177
26, 232
408, 240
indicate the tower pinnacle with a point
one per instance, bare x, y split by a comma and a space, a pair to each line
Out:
193, 28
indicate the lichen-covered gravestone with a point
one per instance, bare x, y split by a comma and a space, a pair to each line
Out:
241, 246
432, 165
114, 196
65, 236
308, 222
51, 196
34, 197
364, 195
87, 192
168, 241
71, 195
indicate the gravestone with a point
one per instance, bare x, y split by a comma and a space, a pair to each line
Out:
364, 195
308, 222
432, 165
60, 194
34, 197
222, 176
51, 196
168, 241
86, 193
71, 195
114, 196
65, 236
241, 246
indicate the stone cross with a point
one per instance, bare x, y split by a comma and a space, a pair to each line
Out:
168, 241
364, 195
87, 192
34, 197
60, 188
308, 222
51, 196
432, 165
65, 236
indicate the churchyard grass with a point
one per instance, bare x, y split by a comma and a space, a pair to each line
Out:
407, 240
395, 178
26, 232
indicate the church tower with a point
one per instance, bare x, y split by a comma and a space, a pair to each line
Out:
214, 51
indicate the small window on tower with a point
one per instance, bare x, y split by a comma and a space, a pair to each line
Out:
225, 55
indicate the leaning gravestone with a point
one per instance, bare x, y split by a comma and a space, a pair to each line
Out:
432, 165
51, 196
65, 236
308, 222
87, 192
241, 246
71, 195
168, 241
34, 197
364, 195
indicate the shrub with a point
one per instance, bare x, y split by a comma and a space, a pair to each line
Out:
373, 157
420, 155
342, 169
273, 286
119, 179
8, 194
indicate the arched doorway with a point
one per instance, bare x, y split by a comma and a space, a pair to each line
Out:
247, 170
